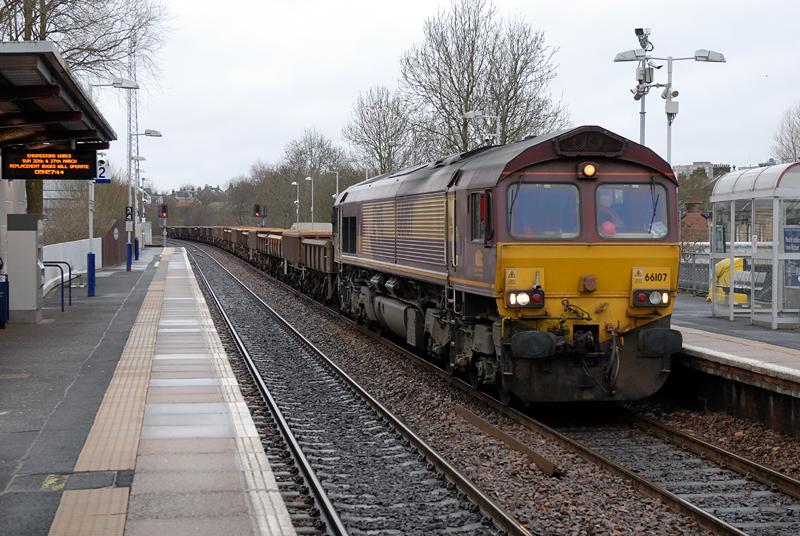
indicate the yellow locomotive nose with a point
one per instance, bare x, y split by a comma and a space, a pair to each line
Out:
605, 297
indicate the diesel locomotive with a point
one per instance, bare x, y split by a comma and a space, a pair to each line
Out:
547, 268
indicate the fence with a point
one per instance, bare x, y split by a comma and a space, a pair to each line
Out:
693, 275
74, 253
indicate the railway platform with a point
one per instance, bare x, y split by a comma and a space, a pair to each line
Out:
759, 356
755, 369
123, 416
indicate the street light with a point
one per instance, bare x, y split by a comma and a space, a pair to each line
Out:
312, 200
119, 83
297, 203
475, 114
150, 133
644, 75
337, 182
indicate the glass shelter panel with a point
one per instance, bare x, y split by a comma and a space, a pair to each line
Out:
722, 225
760, 276
790, 267
743, 219
762, 225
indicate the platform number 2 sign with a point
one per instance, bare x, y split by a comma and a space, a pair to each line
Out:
101, 168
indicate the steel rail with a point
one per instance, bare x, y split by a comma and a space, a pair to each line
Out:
491, 509
732, 461
327, 511
641, 484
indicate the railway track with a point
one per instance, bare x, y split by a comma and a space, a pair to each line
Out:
723, 492
367, 472
750, 498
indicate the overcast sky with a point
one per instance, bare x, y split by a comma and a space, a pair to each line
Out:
238, 83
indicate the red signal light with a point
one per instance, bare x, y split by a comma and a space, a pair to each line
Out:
641, 297
537, 298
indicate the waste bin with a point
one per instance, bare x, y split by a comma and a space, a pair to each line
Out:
4, 301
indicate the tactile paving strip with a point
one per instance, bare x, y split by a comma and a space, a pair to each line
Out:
114, 437
174, 411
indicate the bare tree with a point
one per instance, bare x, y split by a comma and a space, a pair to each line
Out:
380, 130
241, 196
471, 59
67, 213
519, 76
786, 140
313, 155
93, 36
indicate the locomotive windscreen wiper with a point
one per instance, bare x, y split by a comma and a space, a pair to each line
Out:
514, 198
654, 197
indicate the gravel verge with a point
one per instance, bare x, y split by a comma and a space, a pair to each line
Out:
586, 500
377, 482
750, 440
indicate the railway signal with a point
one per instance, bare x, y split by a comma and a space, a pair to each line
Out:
258, 211
164, 212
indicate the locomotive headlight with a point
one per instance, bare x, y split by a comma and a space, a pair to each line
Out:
587, 170
651, 298
523, 298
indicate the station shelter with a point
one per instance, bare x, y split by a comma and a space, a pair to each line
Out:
43, 107
755, 236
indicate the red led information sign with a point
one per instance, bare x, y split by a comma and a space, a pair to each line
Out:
22, 164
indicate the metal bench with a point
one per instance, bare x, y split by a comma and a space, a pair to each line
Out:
744, 280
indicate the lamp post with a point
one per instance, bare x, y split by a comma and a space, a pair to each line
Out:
312, 201
150, 133
119, 83
475, 114
644, 75
297, 203
337, 182
133, 198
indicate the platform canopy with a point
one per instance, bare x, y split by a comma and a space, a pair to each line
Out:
41, 102
782, 180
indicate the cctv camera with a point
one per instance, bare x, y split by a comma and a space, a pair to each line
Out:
641, 32
669, 93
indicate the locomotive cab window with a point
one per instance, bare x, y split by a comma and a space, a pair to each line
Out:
349, 234
634, 211
479, 215
543, 211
